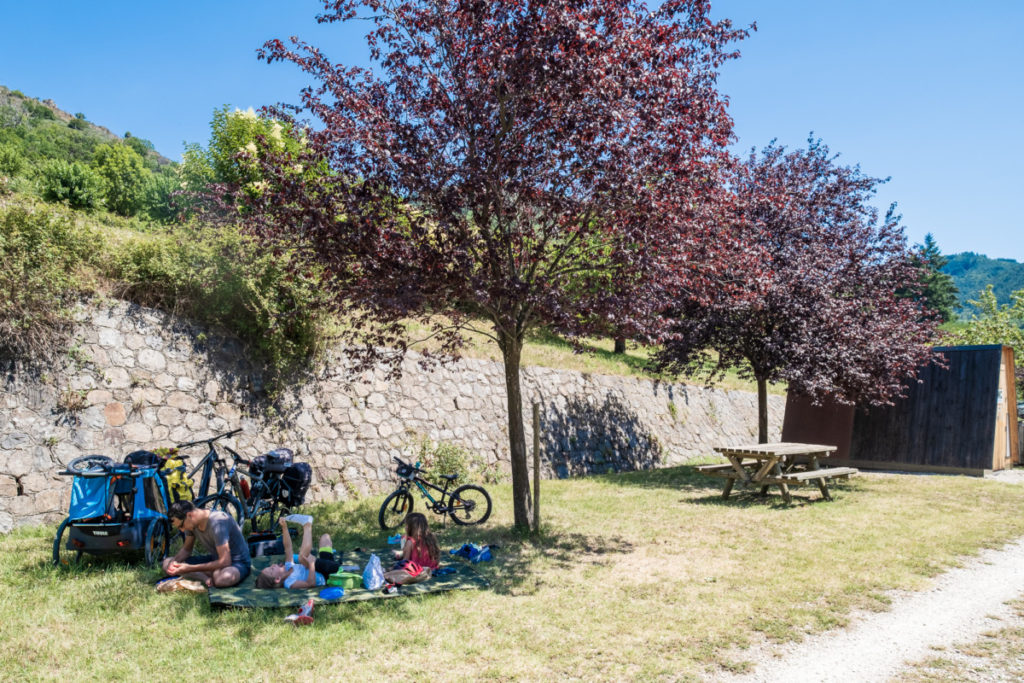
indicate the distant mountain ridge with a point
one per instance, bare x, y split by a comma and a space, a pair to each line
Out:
972, 272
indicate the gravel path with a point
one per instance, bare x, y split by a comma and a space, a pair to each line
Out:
962, 604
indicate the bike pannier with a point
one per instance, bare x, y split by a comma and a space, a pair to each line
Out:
295, 482
274, 462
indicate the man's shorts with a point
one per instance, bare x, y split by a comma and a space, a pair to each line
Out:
243, 567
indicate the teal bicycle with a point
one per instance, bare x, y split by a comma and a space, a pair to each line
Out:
468, 504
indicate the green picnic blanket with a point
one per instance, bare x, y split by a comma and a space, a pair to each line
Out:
245, 594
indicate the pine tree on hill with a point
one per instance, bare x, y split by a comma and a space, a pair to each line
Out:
938, 292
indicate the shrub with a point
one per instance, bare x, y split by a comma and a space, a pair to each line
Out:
73, 183
160, 201
125, 178
78, 124
38, 110
11, 161
219, 276
42, 271
443, 457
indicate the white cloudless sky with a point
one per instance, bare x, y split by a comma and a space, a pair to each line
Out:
926, 92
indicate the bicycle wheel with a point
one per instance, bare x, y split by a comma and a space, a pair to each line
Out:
264, 515
157, 541
224, 502
469, 504
62, 555
395, 509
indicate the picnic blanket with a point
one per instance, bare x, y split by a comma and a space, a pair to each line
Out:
245, 594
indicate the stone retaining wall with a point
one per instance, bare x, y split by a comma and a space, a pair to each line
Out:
140, 379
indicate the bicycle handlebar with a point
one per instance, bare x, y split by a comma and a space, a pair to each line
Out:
405, 464
210, 440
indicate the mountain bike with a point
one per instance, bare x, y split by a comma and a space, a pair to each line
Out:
247, 490
468, 504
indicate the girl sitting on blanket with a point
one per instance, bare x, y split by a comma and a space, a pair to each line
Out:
419, 555
301, 571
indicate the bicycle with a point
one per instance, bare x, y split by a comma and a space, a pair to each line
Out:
260, 499
468, 504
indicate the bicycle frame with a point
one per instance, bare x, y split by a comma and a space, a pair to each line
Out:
423, 485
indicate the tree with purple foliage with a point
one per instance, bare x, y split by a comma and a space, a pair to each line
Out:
507, 161
826, 310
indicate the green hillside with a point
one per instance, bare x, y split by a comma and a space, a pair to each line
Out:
38, 131
972, 272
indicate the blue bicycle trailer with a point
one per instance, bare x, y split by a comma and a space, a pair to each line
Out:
116, 508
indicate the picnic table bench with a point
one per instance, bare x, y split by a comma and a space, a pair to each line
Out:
776, 464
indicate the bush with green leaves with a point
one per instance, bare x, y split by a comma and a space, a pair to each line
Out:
125, 178
43, 269
231, 156
160, 200
74, 183
11, 161
992, 323
444, 457
221, 277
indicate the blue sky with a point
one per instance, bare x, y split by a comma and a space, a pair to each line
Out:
927, 92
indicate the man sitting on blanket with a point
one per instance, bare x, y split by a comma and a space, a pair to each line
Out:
301, 571
229, 561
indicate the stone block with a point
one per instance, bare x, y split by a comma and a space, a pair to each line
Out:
15, 440
228, 412
168, 416
152, 360
164, 381
113, 437
110, 338
179, 434
196, 422
117, 378
212, 391
114, 413
182, 401
34, 482
137, 432
8, 486
99, 397
19, 506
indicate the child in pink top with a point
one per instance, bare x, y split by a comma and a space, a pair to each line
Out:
419, 554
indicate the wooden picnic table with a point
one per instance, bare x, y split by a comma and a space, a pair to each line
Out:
782, 464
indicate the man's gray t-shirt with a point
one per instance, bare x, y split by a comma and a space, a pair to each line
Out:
222, 528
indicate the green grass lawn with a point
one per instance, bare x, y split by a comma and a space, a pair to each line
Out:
642, 575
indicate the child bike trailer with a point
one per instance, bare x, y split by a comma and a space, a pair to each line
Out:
116, 508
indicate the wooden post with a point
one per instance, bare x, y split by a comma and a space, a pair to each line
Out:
536, 467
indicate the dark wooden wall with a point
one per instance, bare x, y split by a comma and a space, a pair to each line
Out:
947, 421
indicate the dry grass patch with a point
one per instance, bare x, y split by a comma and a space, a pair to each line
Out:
645, 575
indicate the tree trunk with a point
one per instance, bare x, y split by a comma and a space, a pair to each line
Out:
762, 410
620, 345
511, 351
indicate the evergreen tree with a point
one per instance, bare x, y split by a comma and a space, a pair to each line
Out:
938, 293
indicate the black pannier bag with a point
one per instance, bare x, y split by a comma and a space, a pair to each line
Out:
274, 462
296, 480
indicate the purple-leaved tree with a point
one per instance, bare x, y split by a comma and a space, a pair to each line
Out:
826, 310
502, 166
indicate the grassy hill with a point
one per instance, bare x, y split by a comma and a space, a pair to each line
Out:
972, 272
39, 131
